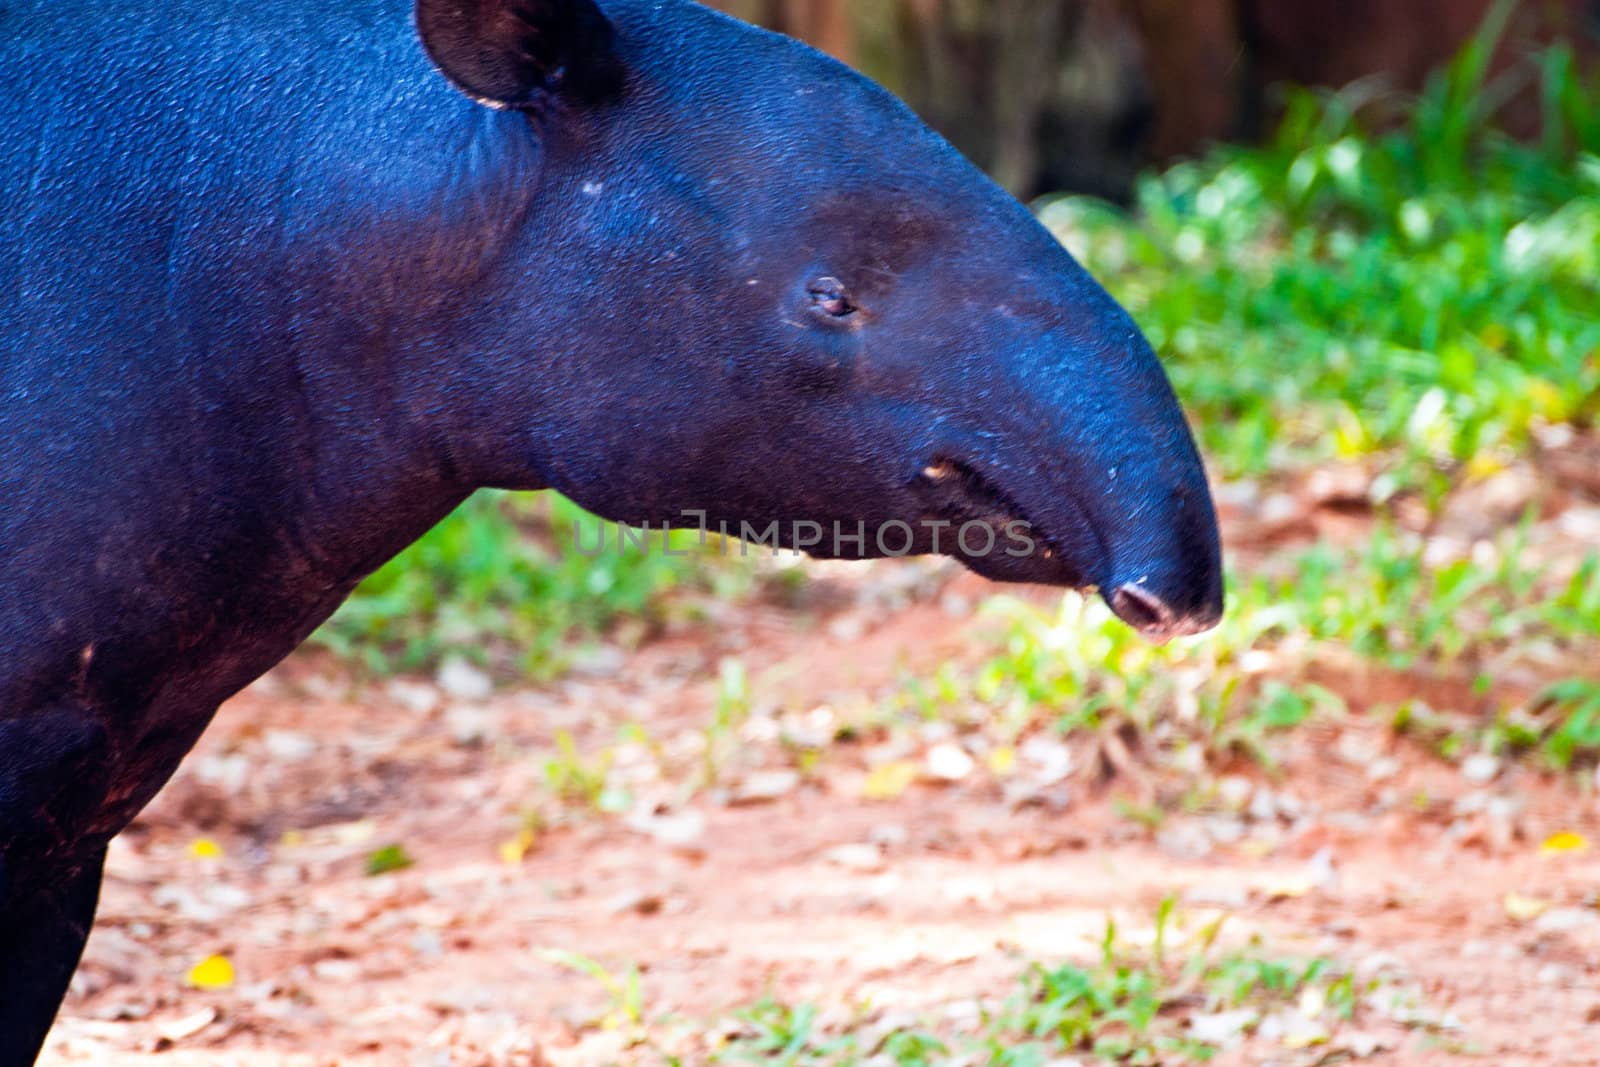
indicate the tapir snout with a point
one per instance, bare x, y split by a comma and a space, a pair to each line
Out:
1094, 458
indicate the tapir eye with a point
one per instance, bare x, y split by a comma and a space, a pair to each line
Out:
829, 297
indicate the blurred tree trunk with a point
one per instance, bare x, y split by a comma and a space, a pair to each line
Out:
1200, 72
826, 24
984, 71
1030, 40
1023, 87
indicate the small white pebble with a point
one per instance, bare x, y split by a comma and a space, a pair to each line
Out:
1480, 769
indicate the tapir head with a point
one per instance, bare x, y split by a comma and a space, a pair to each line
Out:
755, 286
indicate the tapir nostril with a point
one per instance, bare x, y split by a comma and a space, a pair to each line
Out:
1154, 618
1145, 612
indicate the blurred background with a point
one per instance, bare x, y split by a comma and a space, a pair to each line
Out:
1081, 95
514, 805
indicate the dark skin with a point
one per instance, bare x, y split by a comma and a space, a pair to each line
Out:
277, 293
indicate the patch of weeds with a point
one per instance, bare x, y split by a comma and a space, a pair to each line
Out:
1150, 816
932, 696
626, 1011
1282, 708
721, 736
1574, 613
1174, 996
1392, 605
1077, 672
1441, 734
513, 580
1129, 1007
1110, 1010
1572, 709
388, 859
580, 782
1389, 605
787, 1035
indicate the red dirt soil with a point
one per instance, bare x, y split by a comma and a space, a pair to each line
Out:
304, 775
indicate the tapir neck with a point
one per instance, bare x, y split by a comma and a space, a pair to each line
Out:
229, 389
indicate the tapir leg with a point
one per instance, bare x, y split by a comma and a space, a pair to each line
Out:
54, 772
41, 941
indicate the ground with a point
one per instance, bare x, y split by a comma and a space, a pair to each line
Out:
512, 939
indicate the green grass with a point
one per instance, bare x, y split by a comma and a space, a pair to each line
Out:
1141, 999
1388, 280
388, 859
1386, 606
502, 582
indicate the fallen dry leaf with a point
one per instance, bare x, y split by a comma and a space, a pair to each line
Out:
1525, 909
203, 848
889, 780
213, 972
864, 858
188, 1026
1565, 842
1002, 761
514, 851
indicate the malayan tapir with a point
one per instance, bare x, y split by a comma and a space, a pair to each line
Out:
282, 283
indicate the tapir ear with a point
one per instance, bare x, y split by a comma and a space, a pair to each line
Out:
512, 53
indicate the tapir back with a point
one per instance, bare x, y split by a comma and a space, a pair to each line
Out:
146, 141
207, 207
